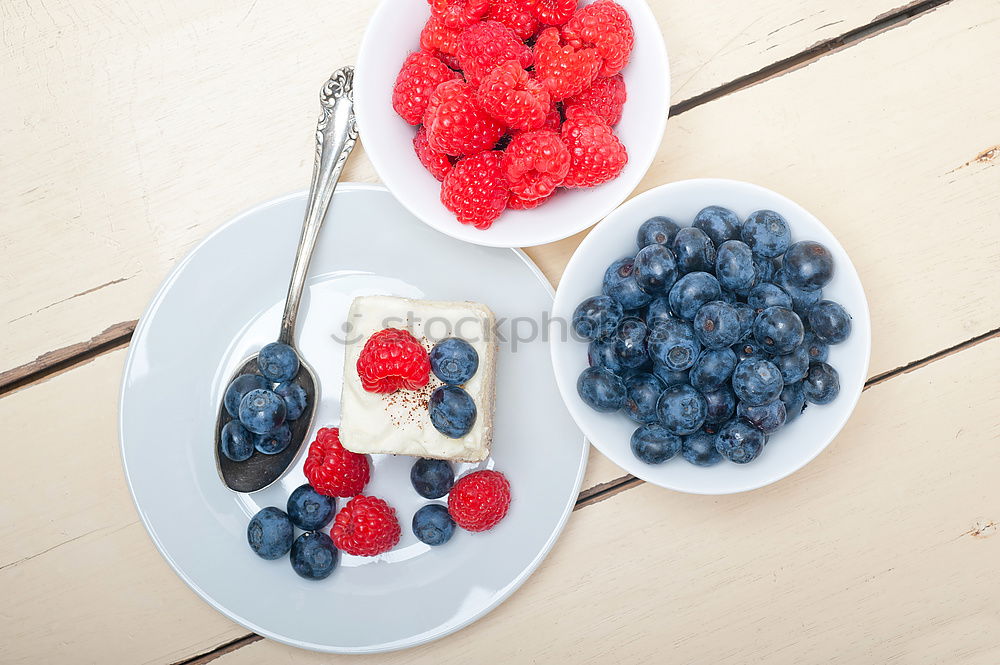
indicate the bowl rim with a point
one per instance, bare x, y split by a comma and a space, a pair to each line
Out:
560, 308
379, 157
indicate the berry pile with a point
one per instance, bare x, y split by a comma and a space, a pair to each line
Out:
713, 336
516, 98
262, 405
476, 502
393, 359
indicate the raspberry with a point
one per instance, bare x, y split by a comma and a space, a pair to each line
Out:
517, 203
392, 359
439, 39
535, 164
552, 12
455, 123
420, 75
515, 15
332, 469
487, 45
510, 95
553, 119
606, 26
458, 14
366, 526
476, 190
606, 98
479, 500
596, 154
564, 70
437, 163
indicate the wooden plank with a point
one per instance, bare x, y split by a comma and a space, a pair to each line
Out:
186, 113
878, 552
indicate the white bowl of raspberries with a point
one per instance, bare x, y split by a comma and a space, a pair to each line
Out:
512, 123
710, 336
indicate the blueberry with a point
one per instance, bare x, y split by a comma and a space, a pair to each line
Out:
829, 322
655, 269
274, 441
619, 283
237, 441
794, 399
694, 251
734, 266
658, 311
817, 350
808, 265
748, 349
739, 441
454, 361
240, 386
630, 342
653, 444
295, 399
601, 390
673, 345
768, 418
313, 556
262, 410
270, 533
802, 301
718, 223
713, 369
757, 381
601, 353
766, 232
433, 525
699, 449
597, 317
641, 393
670, 377
432, 478
793, 366
778, 330
681, 409
278, 362
764, 269
730, 297
717, 325
452, 411
746, 314
822, 384
691, 292
767, 295
309, 510
720, 405
660, 230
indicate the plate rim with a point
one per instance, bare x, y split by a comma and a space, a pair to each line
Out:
426, 637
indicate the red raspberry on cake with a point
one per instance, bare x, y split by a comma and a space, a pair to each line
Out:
458, 14
442, 41
535, 163
418, 78
392, 359
437, 163
606, 26
509, 94
596, 154
487, 45
455, 123
332, 469
516, 15
479, 500
552, 12
366, 526
476, 190
564, 70
606, 97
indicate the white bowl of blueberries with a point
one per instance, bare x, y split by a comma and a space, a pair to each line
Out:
710, 336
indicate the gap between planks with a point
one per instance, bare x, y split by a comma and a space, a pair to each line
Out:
119, 335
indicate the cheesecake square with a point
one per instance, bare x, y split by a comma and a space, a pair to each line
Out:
399, 423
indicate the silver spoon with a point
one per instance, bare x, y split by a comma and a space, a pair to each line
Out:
336, 134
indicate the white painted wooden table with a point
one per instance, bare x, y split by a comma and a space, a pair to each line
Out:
131, 129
